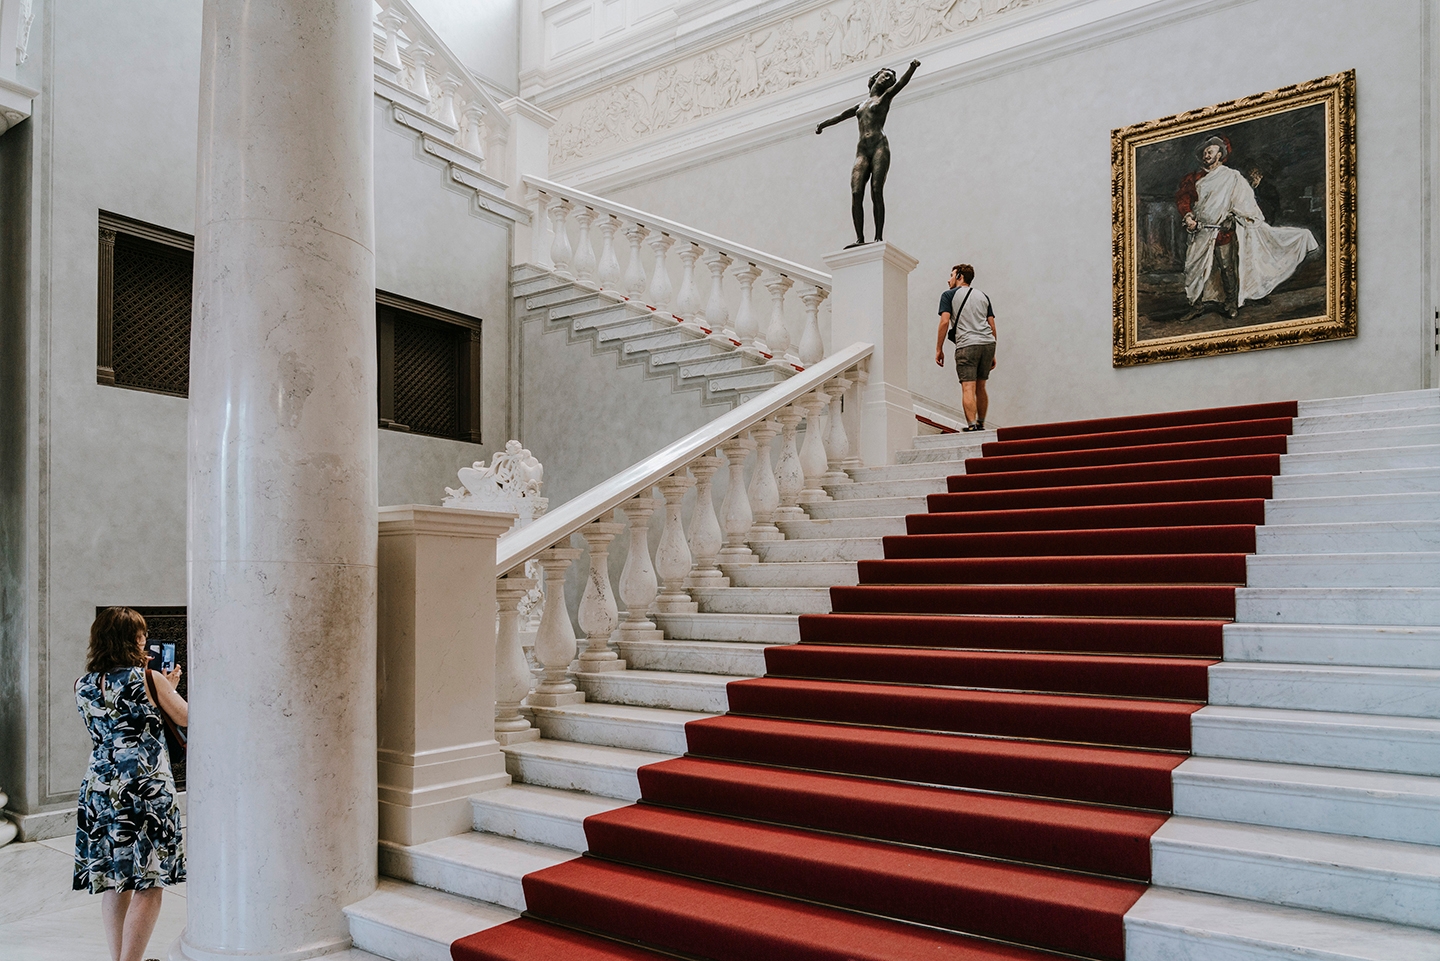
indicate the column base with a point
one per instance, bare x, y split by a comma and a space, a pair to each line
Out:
834, 477
761, 533
595, 663
706, 579
424, 796
643, 631
812, 494
506, 738
791, 514
676, 604
182, 950
538, 699
736, 556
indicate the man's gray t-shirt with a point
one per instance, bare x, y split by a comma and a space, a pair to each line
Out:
972, 326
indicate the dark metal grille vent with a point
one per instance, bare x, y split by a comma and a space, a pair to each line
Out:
152, 316
167, 625
427, 378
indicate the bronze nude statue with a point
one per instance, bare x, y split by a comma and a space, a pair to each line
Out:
872, 153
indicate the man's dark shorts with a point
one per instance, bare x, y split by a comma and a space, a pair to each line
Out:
974, 362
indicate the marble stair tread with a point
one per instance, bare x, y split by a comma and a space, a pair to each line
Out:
1372, 569
566, 294
1172, 925
1358, 644
636, 728
1419, 606
1364, 742
972, 439
1370, 458
539, 814
592, 768
1402, 692
1394, 400
937, 455
608, 316
798, 574
486, 867
1387, 881
1353, 508
748, 628
856, 490
1367, 420
633, 325
725, 362
839, 509
763, 600
758, 375
1392, 807
740, 659
1407, 435
686, 352
833, 527
584, 302
408, 922
672, 690
1356, 536
820, 549
940, 469
1405, 480
529, 286
669, 334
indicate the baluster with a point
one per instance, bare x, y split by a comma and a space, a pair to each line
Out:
584, 261
812, 453
717, 314
777, 335
420, 60
812, 349
789, 475
608, 269
706, 538
735, 511
747, 327
859, 376
469, 138
687, 305
635, 235
560, 252
837, 443
449, 86
660, 288
599, 614
638, 586
513, 679
764, 492
540, 238
555, 640
672, 554
391, 22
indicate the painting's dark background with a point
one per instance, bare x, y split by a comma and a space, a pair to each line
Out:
1289, 149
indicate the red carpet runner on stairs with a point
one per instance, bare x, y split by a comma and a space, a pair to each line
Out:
967, 759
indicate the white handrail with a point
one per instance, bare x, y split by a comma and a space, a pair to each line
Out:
518, 546
681, 232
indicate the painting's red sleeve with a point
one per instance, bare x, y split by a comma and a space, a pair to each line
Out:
1187, 196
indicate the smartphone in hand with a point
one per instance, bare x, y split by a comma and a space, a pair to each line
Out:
162, 657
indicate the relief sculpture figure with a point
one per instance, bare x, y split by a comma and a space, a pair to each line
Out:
872, 153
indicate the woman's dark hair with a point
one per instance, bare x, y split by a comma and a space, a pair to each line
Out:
115, 641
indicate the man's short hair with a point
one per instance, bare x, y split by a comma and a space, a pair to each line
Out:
966, 272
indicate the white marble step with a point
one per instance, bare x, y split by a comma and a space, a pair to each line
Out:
806, 574
1381, 880
958, 439
592, 768
535, 284
748, 628
1171, 925
1356, 644
1364, 742
1399, 691
671, 690
721, 363
624, 327
1367, 420
1374, 569
1365, 439
820, 549
1362, 536
541, 815
566, 295
1396, 400
763, 600
1394, 807
695, 657
407, 922
746, 378
866, 507
1376, 458
919, 487
1353, 508
686, 352
1419, 606
830, 528
603, 317
1409, 480
634, 727
485, 867
940, 469
672, 335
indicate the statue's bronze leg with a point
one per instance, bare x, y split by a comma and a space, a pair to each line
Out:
881, 165
858, 175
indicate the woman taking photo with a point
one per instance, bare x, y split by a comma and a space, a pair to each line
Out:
127, 840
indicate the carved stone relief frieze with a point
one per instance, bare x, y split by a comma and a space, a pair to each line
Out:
764, 61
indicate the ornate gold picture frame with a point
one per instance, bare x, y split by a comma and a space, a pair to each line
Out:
1233, 226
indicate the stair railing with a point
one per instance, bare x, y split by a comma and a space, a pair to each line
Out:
778, 332
681, 563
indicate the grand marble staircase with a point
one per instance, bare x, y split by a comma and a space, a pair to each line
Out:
1305, 820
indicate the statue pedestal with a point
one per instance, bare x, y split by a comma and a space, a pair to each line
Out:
869, 302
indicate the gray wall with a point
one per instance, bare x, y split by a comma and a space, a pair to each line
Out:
484, 34
1011, 172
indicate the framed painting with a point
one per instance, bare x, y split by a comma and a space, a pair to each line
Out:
1233, 226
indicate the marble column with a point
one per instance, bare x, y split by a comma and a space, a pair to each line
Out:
282, 530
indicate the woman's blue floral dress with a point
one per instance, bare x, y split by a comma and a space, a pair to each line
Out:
128, 835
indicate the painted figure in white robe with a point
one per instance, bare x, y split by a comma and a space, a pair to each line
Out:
1234, 256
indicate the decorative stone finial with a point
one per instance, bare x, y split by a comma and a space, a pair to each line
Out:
511, 483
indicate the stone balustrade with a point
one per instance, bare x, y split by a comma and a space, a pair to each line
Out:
686, 276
